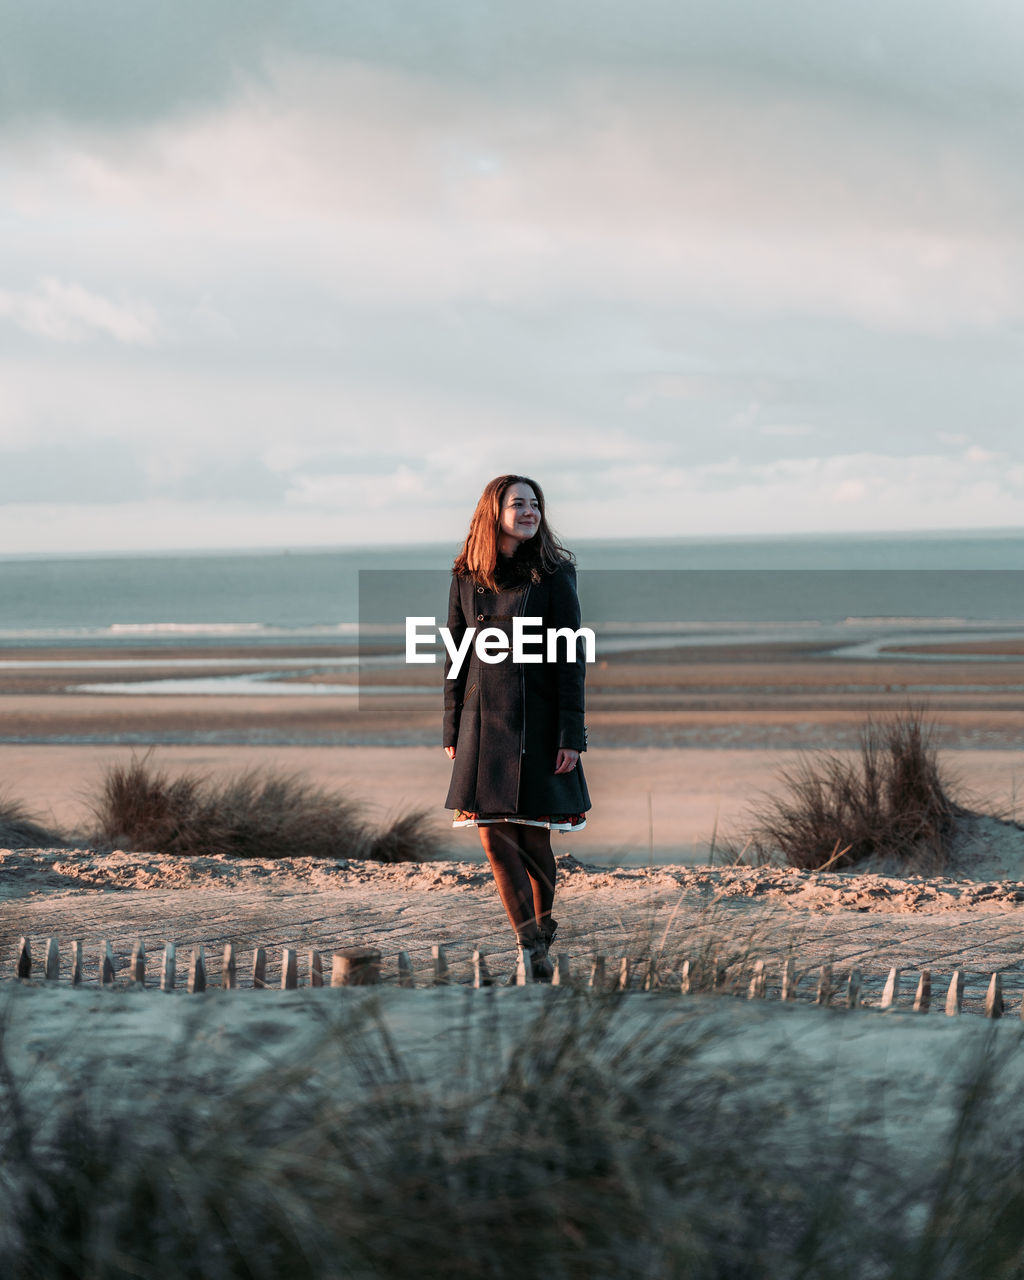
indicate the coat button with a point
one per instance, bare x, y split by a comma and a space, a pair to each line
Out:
479, 591
479, 617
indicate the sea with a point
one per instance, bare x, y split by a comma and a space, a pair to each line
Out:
861, 589
292, 595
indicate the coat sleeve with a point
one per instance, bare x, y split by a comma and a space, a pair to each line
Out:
454, 690
564, 611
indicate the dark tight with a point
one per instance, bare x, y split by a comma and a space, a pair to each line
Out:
524, 871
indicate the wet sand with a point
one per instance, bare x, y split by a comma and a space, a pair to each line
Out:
785, 696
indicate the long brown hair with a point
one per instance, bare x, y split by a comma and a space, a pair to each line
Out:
479, 555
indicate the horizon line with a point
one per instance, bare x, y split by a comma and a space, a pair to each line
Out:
325, 548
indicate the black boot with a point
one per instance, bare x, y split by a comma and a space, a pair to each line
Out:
540, 963
535, 954
547, 931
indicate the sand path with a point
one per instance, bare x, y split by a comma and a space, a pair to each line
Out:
869, 921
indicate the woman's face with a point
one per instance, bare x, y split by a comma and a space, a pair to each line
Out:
520, 513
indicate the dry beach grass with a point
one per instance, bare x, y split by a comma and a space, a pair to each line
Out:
20, 830
253, 814
891, 800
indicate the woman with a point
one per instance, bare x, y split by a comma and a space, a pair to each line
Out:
515, 730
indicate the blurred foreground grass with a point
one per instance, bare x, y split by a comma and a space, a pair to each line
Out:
550, 1133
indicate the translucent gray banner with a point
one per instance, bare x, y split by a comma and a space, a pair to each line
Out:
662, 608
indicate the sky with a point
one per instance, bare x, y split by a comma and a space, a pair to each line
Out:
311, 274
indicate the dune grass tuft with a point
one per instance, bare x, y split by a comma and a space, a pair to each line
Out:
891, 801
408, 837
254, 814
19, 830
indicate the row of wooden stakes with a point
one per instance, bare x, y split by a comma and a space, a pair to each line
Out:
851, 992
356, 966
361, 966
353, 966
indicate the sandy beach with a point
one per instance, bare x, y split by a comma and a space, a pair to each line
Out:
634, 889
341, 339
682, 742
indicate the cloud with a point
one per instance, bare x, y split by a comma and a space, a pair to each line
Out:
787, 429
355, 181
844, 493
104, 63
113, 473
339, 489
109, 63
61, 312
334, 266
423, 502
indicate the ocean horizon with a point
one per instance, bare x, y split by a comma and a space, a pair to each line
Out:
312, 595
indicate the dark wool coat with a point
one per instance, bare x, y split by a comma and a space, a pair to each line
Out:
508, 720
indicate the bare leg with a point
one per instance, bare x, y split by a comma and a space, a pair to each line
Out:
535, 848
515, 888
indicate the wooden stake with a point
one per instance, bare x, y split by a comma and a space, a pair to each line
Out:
561, 974
405, 974
289, 969
524, 969
169, 973
355, 967
758, 982
718, 972
923, 995
197, 970
623, 981
824, 993
107, 965
76, 963
441, 974
993, 997
481, 974
229, 968
955, 994
137, 964
259, 968
853, 989
651, 976
789, 979
686, 979
23, 967
597, 972
52, 960
891, 992
316, 969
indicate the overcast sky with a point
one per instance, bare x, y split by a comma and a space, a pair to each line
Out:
286, 274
